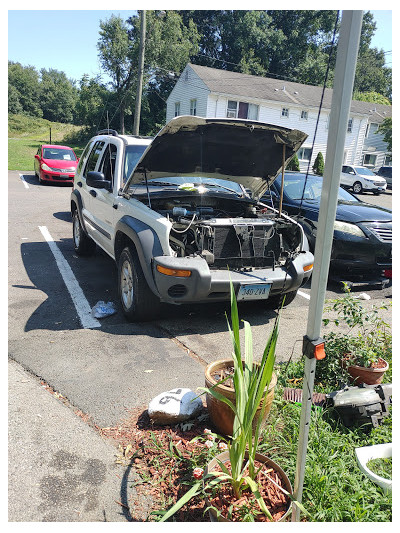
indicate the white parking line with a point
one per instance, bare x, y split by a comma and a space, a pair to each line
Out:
81, 304
304, 295
23, 181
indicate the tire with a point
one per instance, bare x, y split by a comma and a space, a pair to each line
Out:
357, 188
137, 300
276, 301
83, 244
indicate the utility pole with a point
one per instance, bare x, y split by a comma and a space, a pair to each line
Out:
138, 102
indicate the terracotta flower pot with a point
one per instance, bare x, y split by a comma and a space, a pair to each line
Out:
221, 414
224, 457
367, 375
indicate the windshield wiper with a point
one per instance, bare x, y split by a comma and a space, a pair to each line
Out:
205, 184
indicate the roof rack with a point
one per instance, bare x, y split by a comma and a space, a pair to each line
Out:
108, 132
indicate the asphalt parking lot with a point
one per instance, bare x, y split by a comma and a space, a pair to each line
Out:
110, 366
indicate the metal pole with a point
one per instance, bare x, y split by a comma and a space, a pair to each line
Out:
283, 178
349, 37
138, 102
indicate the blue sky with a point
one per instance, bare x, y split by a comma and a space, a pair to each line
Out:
66, 40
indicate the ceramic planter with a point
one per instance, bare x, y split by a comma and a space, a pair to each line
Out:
221, 414
224, 457
367, 375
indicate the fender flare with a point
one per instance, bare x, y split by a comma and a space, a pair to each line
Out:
146, 242
76, 199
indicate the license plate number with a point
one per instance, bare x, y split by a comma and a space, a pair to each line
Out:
258, 291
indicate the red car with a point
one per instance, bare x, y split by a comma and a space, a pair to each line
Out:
56, 164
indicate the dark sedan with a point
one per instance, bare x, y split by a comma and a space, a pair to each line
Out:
362, 241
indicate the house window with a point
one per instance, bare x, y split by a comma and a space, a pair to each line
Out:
231, 111
177, 109
242, 110
369, 160
193, 106
388, 160
285, 112
304, 115
350, 125
304, 154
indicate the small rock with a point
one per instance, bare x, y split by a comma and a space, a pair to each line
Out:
176, 405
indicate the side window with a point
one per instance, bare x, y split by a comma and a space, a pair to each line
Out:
83, 158
93, 157
107, 165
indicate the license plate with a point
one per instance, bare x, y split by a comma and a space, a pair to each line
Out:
259, 291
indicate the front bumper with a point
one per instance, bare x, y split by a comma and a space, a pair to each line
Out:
357, 257
57, 177
371, 186
205, 285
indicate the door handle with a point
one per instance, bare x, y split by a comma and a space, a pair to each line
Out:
93, 193
79, 184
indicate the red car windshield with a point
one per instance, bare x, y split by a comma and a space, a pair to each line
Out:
63, 154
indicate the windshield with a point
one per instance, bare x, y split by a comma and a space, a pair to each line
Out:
364, 171
60, 154
183, 182
132, 155
294, 185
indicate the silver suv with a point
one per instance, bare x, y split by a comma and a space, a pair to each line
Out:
181, 217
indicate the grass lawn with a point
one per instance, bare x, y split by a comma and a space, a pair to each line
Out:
25, 134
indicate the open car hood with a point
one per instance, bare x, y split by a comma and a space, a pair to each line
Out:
244, 151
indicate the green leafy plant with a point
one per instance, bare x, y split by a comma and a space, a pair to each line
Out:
363, 339
294, 164
251, 385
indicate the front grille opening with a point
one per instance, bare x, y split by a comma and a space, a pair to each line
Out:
177, 291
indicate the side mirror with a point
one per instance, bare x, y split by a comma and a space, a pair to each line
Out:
97, 181
37, 157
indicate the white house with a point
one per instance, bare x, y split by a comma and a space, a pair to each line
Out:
210, 92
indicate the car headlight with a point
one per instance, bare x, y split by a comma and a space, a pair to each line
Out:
46, 167
70, 169
345, 227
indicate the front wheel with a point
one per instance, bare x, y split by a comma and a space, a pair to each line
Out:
83, 244
357, 187
137, 300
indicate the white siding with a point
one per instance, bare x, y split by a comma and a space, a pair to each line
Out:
188, 87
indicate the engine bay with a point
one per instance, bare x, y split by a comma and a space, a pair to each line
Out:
228, 232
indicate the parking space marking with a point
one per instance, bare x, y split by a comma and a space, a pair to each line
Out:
81, 304
304, 295
23, 181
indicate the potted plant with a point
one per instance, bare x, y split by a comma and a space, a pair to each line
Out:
363, 342
219, 377
234, 482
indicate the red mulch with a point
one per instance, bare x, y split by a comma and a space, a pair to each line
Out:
277, 501
144, 448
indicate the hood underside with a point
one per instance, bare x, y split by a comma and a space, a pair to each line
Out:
244, 151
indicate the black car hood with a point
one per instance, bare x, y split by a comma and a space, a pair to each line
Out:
354, 212
361, 212
244, 151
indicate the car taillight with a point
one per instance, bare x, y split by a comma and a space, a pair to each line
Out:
388, 273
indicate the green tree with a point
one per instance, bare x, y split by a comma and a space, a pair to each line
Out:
371, 96
118, 57
386, 129
294, 164
58, 96
318, 166
93, 97
24, 89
